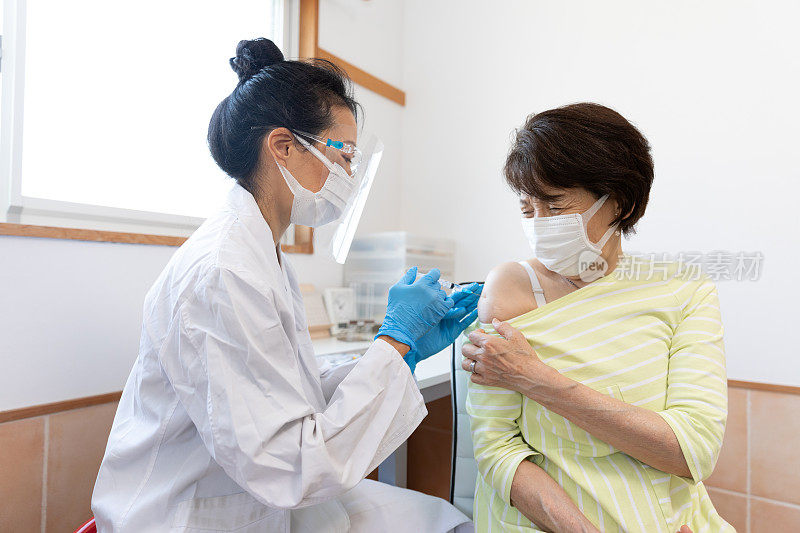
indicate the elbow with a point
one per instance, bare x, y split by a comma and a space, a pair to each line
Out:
681, 468
672, 460
697, 468
696, 441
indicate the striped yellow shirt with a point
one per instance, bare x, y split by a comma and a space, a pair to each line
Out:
652, 339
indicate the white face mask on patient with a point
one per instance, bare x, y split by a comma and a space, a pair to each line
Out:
561, 243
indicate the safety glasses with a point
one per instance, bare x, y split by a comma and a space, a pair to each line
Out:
352, 154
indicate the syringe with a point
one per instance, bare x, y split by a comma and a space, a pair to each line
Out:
449, 285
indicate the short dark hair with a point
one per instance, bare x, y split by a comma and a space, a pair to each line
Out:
272, 93
583, 145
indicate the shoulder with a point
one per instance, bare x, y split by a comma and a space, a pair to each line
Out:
228, 301
232, 264
506, 293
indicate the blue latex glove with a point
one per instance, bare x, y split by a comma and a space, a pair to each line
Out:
414, 307
463, 313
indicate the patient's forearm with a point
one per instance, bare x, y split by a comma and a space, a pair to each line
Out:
639, 432
537, 496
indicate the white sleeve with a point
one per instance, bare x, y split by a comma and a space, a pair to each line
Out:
331, 376
235, 372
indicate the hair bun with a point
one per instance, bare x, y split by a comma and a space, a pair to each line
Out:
252, 56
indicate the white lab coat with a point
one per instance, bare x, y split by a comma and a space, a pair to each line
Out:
223, 424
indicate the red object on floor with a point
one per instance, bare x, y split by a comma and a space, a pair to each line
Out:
88, 527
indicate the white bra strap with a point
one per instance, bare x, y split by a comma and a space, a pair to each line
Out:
538, 292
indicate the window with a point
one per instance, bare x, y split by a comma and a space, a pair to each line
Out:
105, 107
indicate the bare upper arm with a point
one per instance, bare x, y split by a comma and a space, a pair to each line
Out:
506, 294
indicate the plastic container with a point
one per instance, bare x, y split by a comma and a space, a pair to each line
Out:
378, 260
383, 266
401, 242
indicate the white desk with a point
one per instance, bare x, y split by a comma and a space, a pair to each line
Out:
330, 345
433, 379
432, 374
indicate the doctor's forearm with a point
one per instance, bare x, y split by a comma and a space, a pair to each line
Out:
544, 502
401, 348
636, 431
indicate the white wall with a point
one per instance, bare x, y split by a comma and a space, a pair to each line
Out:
70, 316
714, 87
70, 311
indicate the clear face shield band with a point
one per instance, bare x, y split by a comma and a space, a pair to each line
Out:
358, 163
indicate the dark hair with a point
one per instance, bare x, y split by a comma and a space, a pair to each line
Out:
272, 93
583, 145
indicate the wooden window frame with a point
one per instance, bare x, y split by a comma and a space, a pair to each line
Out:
308, 34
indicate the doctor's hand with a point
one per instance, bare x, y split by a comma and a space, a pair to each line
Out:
414, 307
442, 335
508, 361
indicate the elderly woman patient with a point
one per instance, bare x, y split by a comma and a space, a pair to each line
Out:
598, 398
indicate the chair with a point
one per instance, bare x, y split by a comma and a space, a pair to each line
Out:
88, 527
464, 467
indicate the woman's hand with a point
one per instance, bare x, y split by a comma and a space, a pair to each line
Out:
508, 361
414, 307
456, 320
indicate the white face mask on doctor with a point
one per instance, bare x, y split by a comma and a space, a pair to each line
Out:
316, 209
561, 243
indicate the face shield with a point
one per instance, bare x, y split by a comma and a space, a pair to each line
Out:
359, 163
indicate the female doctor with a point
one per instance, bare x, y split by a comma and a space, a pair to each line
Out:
226, 423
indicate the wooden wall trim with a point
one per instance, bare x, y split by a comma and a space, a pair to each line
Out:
56, 407
77, 403
769, 387
51, 232
309, 47
76, 234
364, 78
